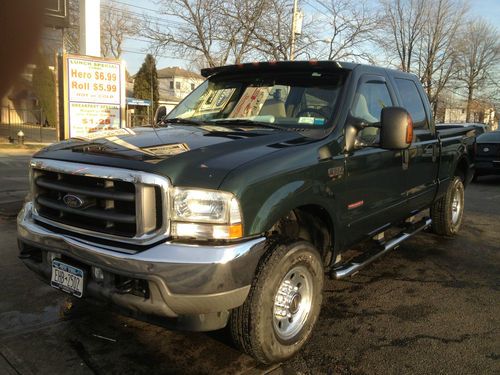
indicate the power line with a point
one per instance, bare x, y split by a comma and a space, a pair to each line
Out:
141, 15
136, 17
133, 5
156, 55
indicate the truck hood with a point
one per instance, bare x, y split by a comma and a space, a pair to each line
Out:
197, 156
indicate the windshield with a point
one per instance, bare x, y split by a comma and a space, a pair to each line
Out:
295, 100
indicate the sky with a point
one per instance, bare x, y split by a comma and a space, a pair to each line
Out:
137, 48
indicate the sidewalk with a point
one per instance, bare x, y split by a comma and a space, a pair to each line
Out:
14, 160
28, 148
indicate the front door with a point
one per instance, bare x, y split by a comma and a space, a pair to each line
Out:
374, 191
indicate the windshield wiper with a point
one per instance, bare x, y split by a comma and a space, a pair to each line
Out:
243, 122
183, 121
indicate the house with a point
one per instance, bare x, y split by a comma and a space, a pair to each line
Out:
481, 112
175, 83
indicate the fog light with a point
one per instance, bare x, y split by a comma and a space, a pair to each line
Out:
97, 274
51, 256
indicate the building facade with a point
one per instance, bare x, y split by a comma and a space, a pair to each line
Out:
175, 84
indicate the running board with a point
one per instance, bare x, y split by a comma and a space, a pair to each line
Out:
369, 256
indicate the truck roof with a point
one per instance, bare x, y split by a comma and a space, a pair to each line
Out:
267, 66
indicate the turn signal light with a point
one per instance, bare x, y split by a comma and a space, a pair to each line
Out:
409, 131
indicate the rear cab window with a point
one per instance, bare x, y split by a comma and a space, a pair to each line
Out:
412, 102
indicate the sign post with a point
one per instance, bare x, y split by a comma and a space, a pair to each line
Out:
94, 95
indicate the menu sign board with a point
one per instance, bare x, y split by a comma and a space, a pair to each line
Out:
94, 95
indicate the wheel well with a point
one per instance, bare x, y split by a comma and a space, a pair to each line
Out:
311, 223
462, 169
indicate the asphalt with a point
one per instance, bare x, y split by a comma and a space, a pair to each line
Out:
430, 307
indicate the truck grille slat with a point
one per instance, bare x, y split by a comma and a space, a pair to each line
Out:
109, 215
95, 192
108, 203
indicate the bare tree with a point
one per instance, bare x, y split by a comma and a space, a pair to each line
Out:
478, 55
272, 35
350, 26
242, 19
437, 53
117, 23
215, 31
402, 23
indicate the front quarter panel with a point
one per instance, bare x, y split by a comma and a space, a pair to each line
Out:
271, 186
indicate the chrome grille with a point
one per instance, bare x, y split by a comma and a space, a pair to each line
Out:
111, 203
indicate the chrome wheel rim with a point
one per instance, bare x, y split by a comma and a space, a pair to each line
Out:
292, 302
456, 206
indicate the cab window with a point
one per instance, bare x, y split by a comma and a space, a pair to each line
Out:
412, 102
370, 99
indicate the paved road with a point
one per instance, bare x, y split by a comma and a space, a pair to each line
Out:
432, 306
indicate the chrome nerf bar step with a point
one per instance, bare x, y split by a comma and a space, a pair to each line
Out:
354, 265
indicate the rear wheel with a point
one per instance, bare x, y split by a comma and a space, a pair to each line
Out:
447, 212
283, 304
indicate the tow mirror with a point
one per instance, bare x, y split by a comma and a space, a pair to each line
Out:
161, 112
396, 131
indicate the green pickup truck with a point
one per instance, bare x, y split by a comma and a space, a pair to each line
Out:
233, 207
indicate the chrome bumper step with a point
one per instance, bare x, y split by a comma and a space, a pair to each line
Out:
354, 265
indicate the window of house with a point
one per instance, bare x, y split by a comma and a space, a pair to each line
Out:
178, 85
171, 85
412, 102
192, 86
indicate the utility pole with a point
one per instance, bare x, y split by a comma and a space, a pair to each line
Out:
292, 38
152, 101
90, 27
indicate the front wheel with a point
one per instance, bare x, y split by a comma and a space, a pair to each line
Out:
283, 304
447, 212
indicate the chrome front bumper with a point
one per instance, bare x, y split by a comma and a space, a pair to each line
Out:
183, 279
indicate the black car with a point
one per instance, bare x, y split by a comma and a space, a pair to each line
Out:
487, 154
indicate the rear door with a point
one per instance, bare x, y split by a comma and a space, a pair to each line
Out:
421, 159
375, 180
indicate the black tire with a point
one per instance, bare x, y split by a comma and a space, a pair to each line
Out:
254, 325
447, 212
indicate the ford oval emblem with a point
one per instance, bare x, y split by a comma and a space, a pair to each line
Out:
73, 201
486, 149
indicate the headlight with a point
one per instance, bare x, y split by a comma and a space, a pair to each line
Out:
205, 214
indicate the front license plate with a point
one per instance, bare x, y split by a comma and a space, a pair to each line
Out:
67, 278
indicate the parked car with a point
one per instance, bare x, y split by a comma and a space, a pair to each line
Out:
234, 208
480, 128
487, 154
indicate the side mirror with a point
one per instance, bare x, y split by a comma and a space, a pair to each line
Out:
161, 112
396, 131
353, 127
